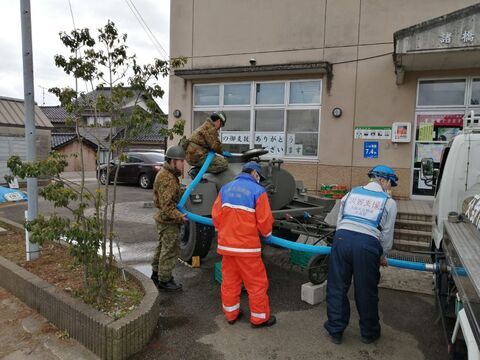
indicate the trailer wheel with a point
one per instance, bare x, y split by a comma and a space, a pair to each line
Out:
195, 240
285, 234
318, 269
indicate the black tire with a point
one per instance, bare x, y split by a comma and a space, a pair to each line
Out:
318, 269
285, 234
195, 240
103, 177
144, 181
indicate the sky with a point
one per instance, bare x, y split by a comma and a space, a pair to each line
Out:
49, 17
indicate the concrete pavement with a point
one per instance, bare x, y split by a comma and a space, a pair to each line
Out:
191, 325
24, 334
77, 175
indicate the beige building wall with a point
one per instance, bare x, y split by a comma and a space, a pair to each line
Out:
356, 36
74, 162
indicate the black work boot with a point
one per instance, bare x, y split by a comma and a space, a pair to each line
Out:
169, 285
270, 322
154, 278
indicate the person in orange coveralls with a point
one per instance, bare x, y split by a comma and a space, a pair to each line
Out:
241, 214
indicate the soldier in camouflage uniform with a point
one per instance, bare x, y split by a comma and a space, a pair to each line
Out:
205, 139
166, 194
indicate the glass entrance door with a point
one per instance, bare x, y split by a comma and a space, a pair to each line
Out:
440, 108
433, 131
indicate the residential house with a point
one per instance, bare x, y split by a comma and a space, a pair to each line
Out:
12, 133
65, 141
95, 132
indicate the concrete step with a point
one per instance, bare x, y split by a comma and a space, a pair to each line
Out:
414, 216
413, 235
409, 245
409, 256
413, 225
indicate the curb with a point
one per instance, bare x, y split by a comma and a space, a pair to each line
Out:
107, 338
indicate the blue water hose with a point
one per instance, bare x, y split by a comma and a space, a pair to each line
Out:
411, 265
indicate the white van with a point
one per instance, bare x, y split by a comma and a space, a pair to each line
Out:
456, 240
458, 177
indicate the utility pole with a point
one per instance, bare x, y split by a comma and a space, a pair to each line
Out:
33, 250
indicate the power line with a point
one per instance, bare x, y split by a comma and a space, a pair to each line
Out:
147, 30
150, 31
71, 14
159, 45
152, 40
294, 50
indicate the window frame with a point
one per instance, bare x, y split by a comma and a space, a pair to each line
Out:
222, 87
220, 94
471, 80
304, 104
465, 95
253, 106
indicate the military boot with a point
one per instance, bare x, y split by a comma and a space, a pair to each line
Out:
169, 285
154, 278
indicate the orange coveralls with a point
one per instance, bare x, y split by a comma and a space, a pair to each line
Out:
241, 213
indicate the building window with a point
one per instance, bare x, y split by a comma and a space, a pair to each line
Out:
206, 95
305, 92
281, 116
273, 93
449, 92
475, 98
237, 94
302, 132
98, 121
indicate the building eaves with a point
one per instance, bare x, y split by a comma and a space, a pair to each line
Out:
12, 113
60, 140
322, 67
440, 20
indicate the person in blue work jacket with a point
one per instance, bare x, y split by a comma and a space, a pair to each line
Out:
363, 238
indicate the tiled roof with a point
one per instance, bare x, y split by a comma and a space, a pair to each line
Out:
60, 139
12, 112
56, 114
151, 135
96, 135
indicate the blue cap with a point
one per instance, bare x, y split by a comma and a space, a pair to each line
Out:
384, 171
252, 165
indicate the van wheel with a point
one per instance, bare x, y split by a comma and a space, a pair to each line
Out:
195, 240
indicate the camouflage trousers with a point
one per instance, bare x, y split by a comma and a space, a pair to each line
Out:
167, 250
197, 158
219, 164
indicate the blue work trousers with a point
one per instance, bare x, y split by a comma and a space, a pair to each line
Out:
358, 255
